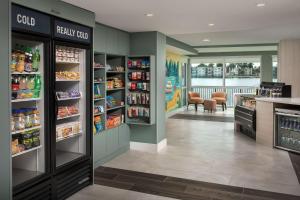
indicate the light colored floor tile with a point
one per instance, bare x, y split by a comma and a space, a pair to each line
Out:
97, 192
212, 152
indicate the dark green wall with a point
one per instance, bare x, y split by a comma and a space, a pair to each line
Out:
61, 9
5, 155
110, 40
151, 43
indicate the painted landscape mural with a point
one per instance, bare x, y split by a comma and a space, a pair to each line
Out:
173, 83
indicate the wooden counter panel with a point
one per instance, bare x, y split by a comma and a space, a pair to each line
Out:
264, 123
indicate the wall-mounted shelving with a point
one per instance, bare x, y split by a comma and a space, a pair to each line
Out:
140, 86
99, 80
115, 90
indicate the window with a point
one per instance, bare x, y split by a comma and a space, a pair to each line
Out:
207, 72
242, 71
226, 71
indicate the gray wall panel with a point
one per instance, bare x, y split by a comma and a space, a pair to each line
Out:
5, 138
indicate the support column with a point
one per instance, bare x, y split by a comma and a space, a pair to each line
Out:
266, 68
5, 138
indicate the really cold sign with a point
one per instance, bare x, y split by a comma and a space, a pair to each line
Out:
71, 31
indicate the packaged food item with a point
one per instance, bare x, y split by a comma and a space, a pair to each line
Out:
26, 139
15, 146
62, 112
28, 117
98, 124
72, 110
35, 117
19, 119
21, 62
12, 124
35, 138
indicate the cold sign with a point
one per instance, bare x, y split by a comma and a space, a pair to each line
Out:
26, 20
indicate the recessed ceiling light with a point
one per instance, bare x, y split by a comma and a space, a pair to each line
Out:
211, 24
206, 40
149, 15
260, 5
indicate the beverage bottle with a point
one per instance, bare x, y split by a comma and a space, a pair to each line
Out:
37, 86
36, 60
15, 87
28, 60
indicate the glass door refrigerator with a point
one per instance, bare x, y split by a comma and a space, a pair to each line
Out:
29, 72
71, 149
287, 130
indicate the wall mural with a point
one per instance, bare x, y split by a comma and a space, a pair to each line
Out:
173, 86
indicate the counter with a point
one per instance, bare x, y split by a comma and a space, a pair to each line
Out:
289, 101
265, 108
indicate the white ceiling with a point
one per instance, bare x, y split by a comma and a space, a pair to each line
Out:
236, 21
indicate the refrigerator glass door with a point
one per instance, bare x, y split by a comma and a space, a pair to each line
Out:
28, 116
70, 91
288, 131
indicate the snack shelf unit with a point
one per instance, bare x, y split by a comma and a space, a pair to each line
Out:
140, 96
115, 90
99, 80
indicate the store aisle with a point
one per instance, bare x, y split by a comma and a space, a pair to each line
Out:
212, 152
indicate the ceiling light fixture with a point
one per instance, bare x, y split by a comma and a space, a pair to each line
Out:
149, 15
206, 40
260, 5
211, 24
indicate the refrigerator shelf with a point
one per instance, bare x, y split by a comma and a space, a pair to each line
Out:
67, 99
98, 114
99, 99
67, 80
25, 73
67, 63
69, 137
99, 67
115, 72
98, 82
69, 116
290, 129
27, 151
116, 107
122, 88
25, 100
27, 129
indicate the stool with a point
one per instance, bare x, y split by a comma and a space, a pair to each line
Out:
210, 105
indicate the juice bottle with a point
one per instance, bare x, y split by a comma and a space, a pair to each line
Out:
36, 60
21, 63
37, 86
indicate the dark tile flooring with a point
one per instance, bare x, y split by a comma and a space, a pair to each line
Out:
179, 188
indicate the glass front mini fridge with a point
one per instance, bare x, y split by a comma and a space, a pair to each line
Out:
287, 130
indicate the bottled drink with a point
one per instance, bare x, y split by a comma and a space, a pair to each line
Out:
28, 60
37, 86
36, 60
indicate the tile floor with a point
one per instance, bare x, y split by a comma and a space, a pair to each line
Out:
97, 192
212, 152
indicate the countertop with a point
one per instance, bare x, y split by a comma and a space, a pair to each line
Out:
290, 101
